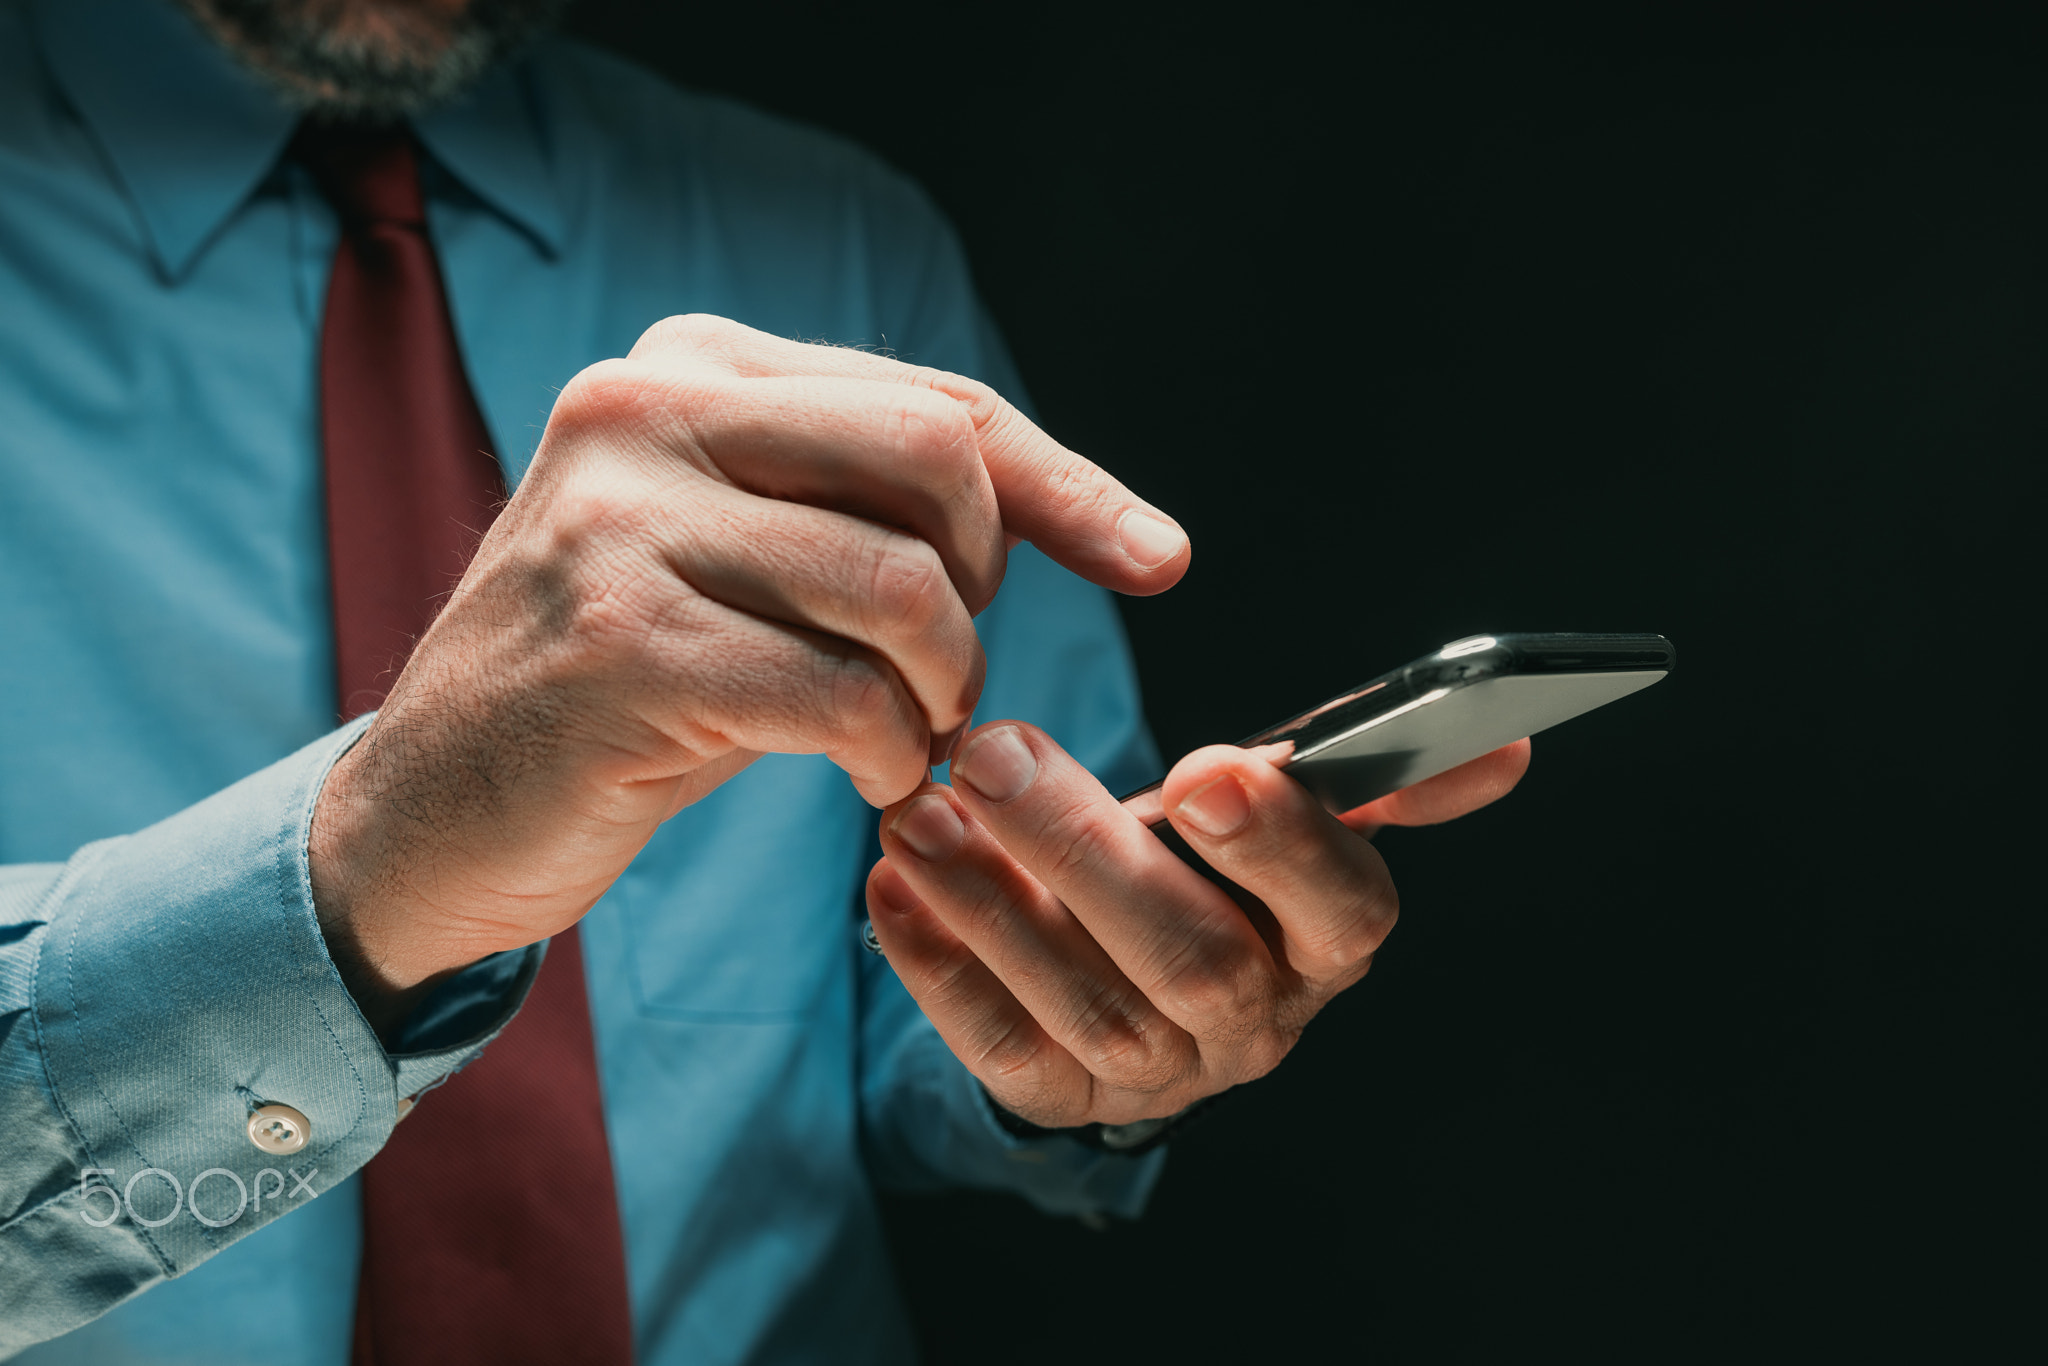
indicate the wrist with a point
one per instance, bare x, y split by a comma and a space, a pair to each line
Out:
382, 954
384, 1000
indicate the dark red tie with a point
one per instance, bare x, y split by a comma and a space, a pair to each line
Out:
490, 1224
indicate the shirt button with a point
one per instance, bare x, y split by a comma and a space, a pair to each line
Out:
279, 1129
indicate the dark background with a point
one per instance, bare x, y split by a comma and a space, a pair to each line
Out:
1723, 1034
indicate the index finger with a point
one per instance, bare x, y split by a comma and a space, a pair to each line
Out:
1067, 506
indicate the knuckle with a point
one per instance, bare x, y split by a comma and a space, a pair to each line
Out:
1122, 1051
928, 430
947, 977
1361, 925
1020, 1069
1220, 991
1013, 1058
981, 402
704, 335
1109, 1041
1070, 841
906, 582
930, 439
853, 688
600, 393
1195, 995
1077, 486
621, 407
984, 909
857, 700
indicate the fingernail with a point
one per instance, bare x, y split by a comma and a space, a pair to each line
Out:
1217, 808
1149, 541
931, 827
998, 765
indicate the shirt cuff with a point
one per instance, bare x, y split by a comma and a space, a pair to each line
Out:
447, 1030
183, 982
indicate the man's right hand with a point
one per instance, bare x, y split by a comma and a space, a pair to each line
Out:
727, 545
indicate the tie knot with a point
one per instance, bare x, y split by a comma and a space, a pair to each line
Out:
369, 174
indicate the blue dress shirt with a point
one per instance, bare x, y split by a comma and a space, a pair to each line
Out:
166, 705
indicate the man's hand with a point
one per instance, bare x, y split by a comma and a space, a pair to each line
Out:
1082, 971
727, 544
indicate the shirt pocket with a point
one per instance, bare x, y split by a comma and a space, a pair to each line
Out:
741, 907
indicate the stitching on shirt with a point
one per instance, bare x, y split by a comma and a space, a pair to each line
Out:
61, 884
148, 1236
296, 832
59, 1198
288, 840
73, 876
38, 910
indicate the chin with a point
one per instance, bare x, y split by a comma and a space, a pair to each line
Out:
373, 59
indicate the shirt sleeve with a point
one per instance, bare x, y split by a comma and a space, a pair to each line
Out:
155, 990
1057, 658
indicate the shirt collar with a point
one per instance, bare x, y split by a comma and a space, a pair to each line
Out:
492, 140
190, 133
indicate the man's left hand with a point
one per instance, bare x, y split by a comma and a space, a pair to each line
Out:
1082, 971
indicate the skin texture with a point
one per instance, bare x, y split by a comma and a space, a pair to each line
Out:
1085, 974
730, 544
727, 544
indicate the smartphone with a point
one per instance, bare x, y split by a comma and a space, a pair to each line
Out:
1467, 699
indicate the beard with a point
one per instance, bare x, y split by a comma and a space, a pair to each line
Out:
373, 61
